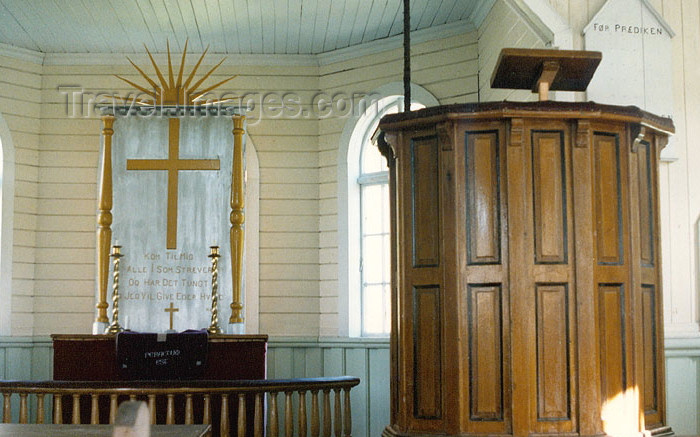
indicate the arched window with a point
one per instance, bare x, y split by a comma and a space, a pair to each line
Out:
368, 241
363, 216
374, 273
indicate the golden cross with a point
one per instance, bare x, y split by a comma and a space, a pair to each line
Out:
172, 310
173, 165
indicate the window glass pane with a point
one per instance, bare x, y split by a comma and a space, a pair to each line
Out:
372, 258
372, 205
386, 290
373, 310
372, 160
386, 214
386, 251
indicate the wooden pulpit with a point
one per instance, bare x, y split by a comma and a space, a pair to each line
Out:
526, 279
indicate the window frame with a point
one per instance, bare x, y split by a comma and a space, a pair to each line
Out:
7, 201
357, 129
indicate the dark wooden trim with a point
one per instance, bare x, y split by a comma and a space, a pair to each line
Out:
508, 110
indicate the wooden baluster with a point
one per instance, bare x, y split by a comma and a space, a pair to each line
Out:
189, 415
94, 410
206, 415
40, 410
315, 426
347, 414
274, 422
76, 409
241, 415
23, 408
225, 425
152, 407
57, 409
258, 420
6, 408
288, 415
302, 414
327, 413
170, 410
337, 419
112, 408
288, 425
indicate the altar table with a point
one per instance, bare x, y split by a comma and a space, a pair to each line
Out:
93, 357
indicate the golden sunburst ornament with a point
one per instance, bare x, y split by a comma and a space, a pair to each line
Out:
173, 92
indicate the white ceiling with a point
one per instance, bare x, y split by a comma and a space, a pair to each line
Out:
228, 26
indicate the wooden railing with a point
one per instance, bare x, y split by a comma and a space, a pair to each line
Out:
251, 404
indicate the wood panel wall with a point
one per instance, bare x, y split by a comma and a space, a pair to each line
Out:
20, 106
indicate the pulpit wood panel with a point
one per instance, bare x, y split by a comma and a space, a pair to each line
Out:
422, 213
427, 379
647, 298
649, 328
645, 205
480, 172
485, 352
553, 357
608, 198
483, 194
613, 339
549, 197
425, 204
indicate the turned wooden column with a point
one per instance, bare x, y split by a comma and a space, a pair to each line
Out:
526, 269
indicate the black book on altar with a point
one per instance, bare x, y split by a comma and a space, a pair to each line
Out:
161, 356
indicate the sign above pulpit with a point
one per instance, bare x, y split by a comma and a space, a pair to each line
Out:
636, 43
171, 188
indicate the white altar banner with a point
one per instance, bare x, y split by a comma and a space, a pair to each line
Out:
172, 194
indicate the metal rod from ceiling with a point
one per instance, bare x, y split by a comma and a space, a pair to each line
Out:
406, 55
